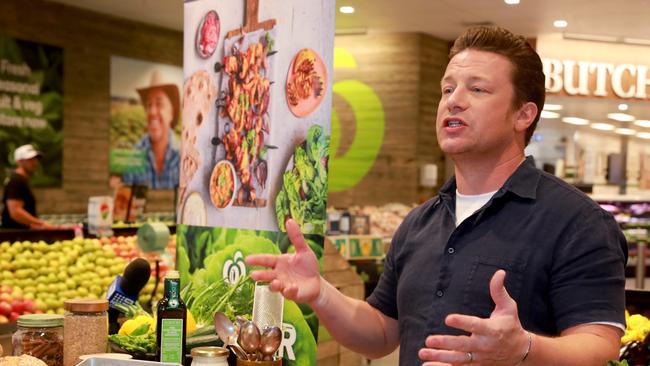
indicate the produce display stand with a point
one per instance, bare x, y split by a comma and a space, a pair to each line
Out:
638, 302
359, 247
13, 235
50, 236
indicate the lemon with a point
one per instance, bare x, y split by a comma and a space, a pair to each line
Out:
191, 323
128, 327
146, 319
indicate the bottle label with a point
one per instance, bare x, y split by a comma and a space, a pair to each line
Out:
171, 342
172, 293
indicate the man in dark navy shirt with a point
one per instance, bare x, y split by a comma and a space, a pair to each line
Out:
507, 266
19, 204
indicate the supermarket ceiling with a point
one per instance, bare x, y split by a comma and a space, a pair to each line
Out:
444, 19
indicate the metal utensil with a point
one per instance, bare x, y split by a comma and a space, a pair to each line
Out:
270, 342
228, 334
249, 338
239, 322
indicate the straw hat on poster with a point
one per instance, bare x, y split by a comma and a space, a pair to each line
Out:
157, 81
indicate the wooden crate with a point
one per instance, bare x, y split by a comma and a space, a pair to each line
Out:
338, 272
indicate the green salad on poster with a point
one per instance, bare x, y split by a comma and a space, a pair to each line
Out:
303, 195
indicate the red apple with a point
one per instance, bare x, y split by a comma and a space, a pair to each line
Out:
13, 316
6, 289
29, 306
5, 308
18, 306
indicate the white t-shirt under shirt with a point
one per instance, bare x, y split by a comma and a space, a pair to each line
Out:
466, 205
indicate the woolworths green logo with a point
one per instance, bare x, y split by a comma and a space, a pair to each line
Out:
348, 170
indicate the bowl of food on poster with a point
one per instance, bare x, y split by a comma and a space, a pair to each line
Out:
223, 184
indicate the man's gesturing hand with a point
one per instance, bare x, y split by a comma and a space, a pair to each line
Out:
498, 340
295, 275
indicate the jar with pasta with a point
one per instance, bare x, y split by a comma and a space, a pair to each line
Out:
85, 329
40, 336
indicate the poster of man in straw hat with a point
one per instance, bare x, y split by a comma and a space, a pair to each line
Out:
145, 123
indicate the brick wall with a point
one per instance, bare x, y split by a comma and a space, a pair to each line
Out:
404, 70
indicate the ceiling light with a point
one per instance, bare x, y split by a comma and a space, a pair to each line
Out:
560, 23
642, 123
575, 121
550, 115
623, 107
552, 107
621, 117
589, 37
643, 135
511, 2
636, 41
602, 126
346, 9
625, 131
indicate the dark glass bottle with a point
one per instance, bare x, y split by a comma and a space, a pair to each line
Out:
171, 322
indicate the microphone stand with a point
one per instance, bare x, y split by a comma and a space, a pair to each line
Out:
155, 286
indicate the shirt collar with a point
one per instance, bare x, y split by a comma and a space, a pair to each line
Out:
523, 182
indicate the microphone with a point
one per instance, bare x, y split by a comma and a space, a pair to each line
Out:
124, 290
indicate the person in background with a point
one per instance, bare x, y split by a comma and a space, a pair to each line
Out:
161, 104
19, 204
508, 265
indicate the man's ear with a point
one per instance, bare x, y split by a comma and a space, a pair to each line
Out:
525, 116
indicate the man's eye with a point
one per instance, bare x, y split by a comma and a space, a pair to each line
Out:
477, 89
447, 90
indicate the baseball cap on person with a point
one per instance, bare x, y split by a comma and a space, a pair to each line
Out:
25, 152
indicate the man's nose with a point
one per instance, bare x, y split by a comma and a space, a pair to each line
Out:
457, 99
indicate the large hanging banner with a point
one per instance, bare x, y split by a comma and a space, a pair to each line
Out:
31, 106
257, 102
145, 123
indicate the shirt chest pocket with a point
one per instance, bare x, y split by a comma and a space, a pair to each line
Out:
476, 299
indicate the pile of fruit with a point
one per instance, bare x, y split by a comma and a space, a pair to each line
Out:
39, 277
13, 305
123, 246
49, 274
126, 247
638, 327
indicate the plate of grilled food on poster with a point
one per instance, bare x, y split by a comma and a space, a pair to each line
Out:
306, 82
244, 118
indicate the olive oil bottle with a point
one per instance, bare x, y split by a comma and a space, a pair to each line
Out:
171, 322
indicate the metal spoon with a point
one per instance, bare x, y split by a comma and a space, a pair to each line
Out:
270, 342
239, 322
249, 338
226, 331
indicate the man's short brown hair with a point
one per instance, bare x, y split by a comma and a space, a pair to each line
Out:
527, 71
